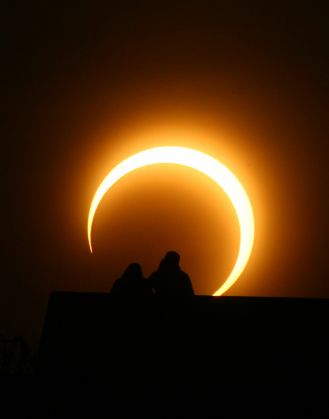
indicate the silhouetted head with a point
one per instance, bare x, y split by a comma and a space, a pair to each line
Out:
133, 270
170, 262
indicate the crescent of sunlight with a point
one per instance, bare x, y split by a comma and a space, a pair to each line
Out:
205, 164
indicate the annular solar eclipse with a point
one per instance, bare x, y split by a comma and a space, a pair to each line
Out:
205, 164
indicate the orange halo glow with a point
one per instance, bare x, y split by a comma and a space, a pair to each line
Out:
208, 166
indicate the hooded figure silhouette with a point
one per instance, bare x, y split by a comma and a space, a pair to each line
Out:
131, 283
169, 279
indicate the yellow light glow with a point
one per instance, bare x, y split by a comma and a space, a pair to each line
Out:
208, 166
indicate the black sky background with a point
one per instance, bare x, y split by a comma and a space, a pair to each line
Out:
71, 72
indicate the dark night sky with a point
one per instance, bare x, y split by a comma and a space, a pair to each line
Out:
81, 83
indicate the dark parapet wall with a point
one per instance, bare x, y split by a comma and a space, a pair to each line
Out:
156, 353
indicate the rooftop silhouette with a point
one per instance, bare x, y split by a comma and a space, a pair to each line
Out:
168, 354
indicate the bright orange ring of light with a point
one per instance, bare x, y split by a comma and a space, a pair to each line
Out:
208, 166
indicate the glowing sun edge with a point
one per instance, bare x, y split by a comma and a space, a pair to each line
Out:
209, 167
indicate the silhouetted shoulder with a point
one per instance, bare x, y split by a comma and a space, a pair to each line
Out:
187, 283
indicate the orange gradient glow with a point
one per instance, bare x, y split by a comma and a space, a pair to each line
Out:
205, 164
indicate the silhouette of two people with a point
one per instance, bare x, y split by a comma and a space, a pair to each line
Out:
168, 280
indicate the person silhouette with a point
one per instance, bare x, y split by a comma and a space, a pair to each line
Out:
169, 279
132, 283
